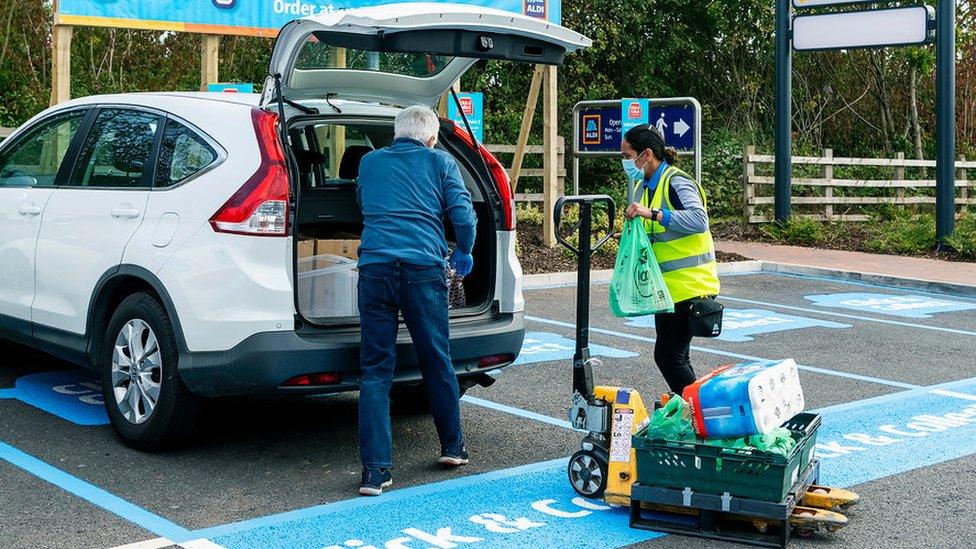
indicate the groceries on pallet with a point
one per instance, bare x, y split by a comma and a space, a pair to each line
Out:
738, 400
737, 406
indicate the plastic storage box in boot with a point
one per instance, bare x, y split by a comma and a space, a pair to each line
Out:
715, 470
327, 286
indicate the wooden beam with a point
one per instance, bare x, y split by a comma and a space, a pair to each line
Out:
446, 99
530, 104
209, 59
550, 178
337, 134
61, 64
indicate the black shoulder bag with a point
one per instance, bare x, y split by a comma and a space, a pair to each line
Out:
705, 317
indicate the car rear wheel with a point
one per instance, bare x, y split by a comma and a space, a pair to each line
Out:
148, 405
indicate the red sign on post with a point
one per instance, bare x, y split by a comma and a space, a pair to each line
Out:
634, 111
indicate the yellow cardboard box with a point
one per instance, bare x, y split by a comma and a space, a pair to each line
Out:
343, 248
306, 248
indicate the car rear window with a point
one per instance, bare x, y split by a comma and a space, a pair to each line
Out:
182, 154
319, 55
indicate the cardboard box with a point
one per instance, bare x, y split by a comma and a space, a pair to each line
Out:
306, 248
342, 248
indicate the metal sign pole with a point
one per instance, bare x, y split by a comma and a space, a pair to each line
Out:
945, 115
783, 146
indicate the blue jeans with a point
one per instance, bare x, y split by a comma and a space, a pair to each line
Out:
420, 294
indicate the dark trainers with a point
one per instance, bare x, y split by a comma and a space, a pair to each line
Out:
454, 458
374, 480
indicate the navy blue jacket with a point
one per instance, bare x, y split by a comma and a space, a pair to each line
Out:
405, 192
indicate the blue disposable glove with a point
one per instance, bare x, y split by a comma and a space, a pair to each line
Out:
462, 263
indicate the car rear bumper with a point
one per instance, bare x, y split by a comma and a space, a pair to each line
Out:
264, 361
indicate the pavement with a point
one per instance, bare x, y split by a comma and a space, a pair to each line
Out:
889, 369
918, 268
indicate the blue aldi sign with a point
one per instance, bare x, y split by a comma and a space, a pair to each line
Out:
600, 127
676, 124
535, 8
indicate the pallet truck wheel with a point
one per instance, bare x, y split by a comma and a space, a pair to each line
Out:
588, 473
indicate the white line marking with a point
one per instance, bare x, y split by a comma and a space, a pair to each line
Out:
953, 394
201, 543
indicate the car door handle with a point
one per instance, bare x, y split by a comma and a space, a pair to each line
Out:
126, 213
29, 210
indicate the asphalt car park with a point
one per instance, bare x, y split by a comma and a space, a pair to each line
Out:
889, 369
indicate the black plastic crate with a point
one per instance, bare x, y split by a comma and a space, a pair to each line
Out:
714, 470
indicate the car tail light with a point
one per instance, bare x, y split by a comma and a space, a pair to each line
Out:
260, 206
312, 380
498, 174
494, 360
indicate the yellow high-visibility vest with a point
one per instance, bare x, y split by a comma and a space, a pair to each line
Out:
687, 261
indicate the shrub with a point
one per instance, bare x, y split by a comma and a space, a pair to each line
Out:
799, 231
902, 235
528, 214
963, 239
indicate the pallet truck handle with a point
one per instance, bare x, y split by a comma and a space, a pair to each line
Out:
588, 200
582, 368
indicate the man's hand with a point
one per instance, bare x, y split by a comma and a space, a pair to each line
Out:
636, 210
462, 263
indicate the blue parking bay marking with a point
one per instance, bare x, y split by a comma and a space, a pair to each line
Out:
534, 506
741, 324
908, 306
74, 395
896, 433
530, 506
547, 347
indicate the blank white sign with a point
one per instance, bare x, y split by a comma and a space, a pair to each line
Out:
860, 29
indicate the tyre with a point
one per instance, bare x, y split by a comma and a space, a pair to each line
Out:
587, 472
147, 403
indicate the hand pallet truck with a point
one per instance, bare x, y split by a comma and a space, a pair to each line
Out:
605, 467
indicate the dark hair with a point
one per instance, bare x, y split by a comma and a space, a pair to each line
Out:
645, 136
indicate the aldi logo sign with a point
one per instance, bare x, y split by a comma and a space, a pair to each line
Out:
535, 8
591, 129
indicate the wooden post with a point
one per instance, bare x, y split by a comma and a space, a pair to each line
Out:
828, 174
446, 99
209, 58
530, 103
964, 189
561, 165
899, 174
61, 64
337, 137
748, 191
549, 168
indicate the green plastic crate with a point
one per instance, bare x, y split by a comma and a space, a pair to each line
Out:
714, 470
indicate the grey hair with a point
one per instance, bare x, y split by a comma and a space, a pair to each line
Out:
416, 122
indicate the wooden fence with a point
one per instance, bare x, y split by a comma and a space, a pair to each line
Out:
534, 172
838, 199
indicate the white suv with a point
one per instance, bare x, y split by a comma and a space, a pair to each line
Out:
157, 237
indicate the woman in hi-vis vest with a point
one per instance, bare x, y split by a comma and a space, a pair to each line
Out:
673, 206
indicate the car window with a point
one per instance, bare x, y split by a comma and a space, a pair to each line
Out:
182, 154
34, 160
116, 151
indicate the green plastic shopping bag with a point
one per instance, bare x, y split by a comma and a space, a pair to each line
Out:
637, 287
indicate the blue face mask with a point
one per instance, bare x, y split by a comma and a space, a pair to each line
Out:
631, 169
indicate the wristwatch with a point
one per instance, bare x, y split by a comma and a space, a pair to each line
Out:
654, 214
